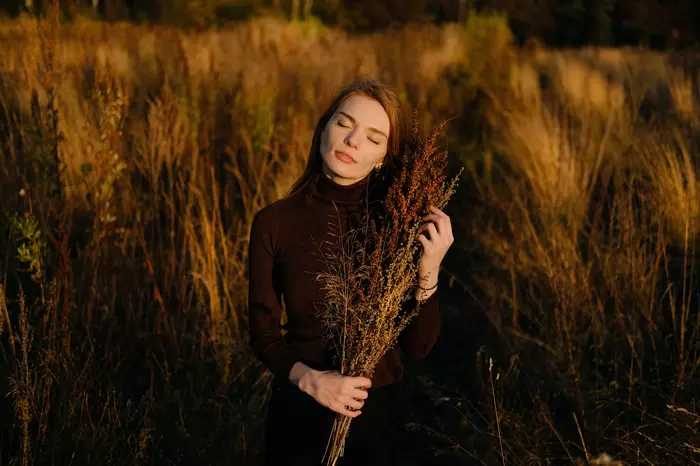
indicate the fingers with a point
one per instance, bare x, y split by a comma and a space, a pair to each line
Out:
347, 412
352, 403
438, 211
425, 242
360, 382
437, 225
342, 394
423, 227
434, 217
357, 393
431, 228
441, 222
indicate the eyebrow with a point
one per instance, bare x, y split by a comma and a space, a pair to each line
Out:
374, 130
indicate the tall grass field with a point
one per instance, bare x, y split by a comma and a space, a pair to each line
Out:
133, 159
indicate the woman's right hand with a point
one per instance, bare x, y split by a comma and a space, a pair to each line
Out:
336, 391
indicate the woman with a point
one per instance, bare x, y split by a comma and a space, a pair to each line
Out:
362, 131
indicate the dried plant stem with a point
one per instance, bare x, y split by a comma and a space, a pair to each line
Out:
336, 441
583, 441
372, 271
495, 407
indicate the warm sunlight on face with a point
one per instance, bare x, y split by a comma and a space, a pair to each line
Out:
354, 141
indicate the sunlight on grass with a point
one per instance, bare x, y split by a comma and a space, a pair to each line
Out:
134, 158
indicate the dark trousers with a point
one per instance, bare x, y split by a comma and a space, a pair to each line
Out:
298, 428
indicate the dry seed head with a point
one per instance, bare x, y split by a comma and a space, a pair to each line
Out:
371, 270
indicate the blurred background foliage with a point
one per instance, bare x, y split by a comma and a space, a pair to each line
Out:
652, 23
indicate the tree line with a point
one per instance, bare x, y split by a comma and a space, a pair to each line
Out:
653, 23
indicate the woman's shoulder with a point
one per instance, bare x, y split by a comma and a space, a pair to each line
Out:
271, 223
275, 212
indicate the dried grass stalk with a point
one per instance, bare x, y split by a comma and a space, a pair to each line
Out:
372, 271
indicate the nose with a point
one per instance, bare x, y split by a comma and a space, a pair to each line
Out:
350, 140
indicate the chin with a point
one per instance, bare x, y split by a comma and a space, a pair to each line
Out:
340, 169
343, 174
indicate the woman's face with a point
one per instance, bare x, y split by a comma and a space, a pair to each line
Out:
355, 139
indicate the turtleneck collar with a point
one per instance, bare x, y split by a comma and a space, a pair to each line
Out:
327, 192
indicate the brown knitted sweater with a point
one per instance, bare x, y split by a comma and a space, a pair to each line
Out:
283, 262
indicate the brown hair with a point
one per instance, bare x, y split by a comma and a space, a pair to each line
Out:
397, 126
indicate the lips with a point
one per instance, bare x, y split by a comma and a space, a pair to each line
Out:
344, 157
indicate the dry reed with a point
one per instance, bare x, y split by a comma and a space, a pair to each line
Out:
372, 270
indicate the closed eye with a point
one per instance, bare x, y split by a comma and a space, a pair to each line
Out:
343, 126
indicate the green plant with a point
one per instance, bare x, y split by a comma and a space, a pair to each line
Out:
31, 243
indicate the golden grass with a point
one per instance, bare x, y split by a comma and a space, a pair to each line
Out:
583, 213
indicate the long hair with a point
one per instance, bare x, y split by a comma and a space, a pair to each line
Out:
397, 126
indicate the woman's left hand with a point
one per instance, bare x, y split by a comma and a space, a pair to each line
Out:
435, 247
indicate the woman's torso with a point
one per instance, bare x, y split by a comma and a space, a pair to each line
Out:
298, 263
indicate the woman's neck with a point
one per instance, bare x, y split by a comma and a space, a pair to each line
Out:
339, 180
328, 193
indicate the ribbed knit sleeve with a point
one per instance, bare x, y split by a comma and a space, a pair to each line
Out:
419, 336
264, 298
